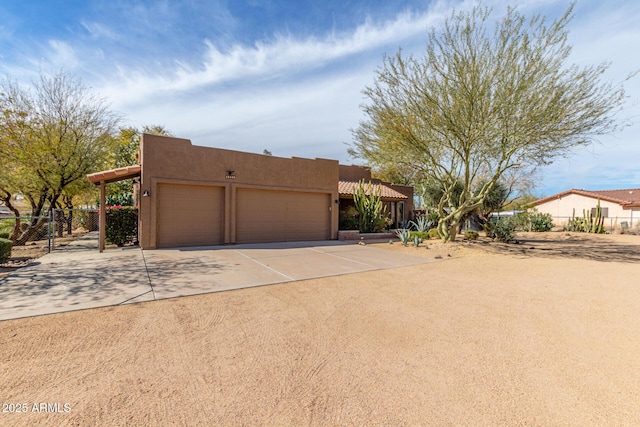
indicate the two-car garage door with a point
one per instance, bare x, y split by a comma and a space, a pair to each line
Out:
191, 215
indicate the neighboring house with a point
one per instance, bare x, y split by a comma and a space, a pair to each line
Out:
618, 206
398, 199
199, 196
5, 211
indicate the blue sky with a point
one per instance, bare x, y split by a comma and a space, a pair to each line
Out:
288, 75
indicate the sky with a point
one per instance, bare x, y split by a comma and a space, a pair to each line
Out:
288, 76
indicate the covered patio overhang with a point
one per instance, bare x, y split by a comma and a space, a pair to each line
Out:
102, 179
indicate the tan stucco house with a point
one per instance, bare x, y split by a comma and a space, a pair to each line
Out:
189, 195
618, 206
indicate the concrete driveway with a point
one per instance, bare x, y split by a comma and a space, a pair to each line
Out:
79, 277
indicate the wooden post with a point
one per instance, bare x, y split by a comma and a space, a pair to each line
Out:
103, 217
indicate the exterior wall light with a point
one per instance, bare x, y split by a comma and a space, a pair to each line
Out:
145, 193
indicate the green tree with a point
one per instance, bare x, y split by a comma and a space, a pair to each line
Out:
481, 104
125, 154
52, 135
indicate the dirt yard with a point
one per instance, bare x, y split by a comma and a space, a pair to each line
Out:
545, 332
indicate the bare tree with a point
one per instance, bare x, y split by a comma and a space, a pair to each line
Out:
480, 105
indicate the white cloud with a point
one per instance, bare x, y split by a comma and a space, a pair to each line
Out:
265, 59
62, 55
100, 31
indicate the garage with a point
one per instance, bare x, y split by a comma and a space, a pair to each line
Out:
282, 216
189, 215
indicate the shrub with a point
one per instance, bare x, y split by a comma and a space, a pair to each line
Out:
348, 219
5, 250
119, 200
501, 229
122, 225
541, 222
434, 234
4, 234
534, 221
424, 235
470, 235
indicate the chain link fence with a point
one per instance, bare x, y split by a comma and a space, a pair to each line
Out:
54, 230
68, 224
28, 231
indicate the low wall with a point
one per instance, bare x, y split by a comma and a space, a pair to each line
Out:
356, 235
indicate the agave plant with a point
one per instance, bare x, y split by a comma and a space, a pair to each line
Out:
421, 224
404, 235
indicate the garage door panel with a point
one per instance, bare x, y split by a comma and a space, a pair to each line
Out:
189, 215
278, 216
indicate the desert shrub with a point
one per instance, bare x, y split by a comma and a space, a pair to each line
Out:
122, 225
470, 235
424, 235
501, 229
5, 250
348, 219
434, 234
534, 221
541, 222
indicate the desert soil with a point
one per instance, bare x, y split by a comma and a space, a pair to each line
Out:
545, 332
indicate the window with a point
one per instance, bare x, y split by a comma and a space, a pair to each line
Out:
604, 212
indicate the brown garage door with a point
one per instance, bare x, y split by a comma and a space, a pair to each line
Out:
189, 215
281, 216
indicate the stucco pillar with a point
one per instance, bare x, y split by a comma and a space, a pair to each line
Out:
103, 213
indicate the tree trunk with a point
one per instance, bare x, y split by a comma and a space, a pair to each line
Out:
31, 231
68, 202
6, 198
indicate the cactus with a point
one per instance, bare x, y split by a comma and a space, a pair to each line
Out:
589, 223
597, 223
368, 203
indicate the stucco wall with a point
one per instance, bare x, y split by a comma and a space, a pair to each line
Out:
562, 208
175, 160
354, 173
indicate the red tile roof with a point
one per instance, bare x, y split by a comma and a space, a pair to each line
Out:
348, 188
629, 197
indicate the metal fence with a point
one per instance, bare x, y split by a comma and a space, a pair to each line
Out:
58, 227
71, 223
29, 231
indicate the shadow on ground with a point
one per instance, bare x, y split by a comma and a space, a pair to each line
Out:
571, 246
